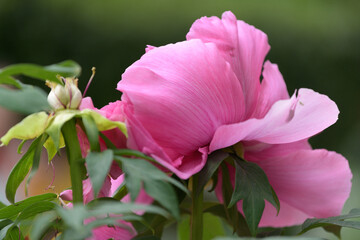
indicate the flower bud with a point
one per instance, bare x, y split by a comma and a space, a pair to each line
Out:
64, 97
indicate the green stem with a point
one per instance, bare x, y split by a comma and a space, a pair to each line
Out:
74, 156
196, 219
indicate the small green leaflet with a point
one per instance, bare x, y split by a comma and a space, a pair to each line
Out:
253, 187
156, 183
27, 100
30, 127
66, 68
11, 211
332, 224
19, 172
98, 165
212, 164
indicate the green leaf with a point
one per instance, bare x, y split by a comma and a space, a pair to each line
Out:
14, 233
334, 229
149, 171
51, 149
19, 172
12, 211
10, 81
212, 164
92, 132
29, 99
333, 224
41, 224
212, 227
232, 215
66, 69
132, 153
35, 209
121, 191
5, 223
233, 218
74, 218
156, 182
36, 160
253, 187
2, 205
30, 127
98, 165
164, 194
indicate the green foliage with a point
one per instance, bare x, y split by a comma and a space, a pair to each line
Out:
11, 211
66, 69
28, 99
253, 187
30, 127
333, 224
98, 165
19, 172
156, 183
212, 164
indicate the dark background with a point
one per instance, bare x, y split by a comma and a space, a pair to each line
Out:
314, 42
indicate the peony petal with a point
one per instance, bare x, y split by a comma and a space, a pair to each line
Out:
287, 121
272, 89
141, 140
255, 151
242, 45
114, 111
86, 103
181, 101
316, 182
124, 232
288, 216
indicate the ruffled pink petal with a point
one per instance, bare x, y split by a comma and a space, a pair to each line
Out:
287, 121
114, 111
141, 140
316, 182
272, 89
242, 45
181, 101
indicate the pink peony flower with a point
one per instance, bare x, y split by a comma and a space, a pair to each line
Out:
183, 101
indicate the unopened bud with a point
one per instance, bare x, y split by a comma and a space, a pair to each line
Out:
64, 97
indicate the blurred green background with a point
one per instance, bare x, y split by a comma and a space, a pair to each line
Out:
316, 44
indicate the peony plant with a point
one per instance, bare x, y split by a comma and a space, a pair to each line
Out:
203, 115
